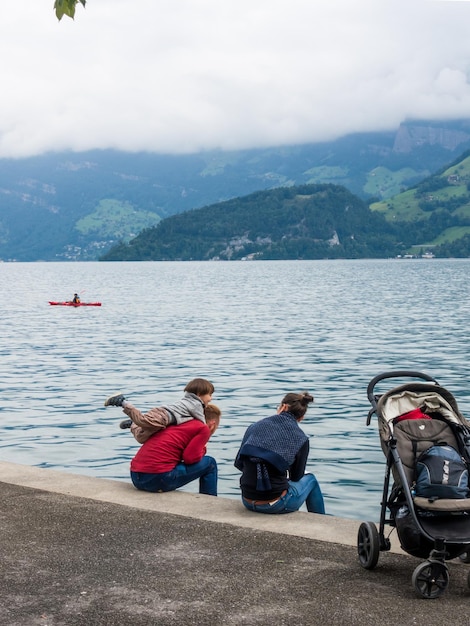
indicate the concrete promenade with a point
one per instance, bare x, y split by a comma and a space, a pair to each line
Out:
82, 551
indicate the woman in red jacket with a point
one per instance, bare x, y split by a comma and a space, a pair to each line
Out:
176, 456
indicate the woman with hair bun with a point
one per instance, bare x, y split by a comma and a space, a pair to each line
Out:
272, 458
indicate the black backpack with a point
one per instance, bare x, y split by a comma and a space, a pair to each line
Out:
441, 473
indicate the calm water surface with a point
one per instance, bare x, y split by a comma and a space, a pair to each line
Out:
256, 329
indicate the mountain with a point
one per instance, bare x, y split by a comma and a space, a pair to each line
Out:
317, 222
303, 222
448, 135
76, 206
438, 208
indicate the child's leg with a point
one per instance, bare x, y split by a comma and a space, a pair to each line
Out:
141, 434
155, 419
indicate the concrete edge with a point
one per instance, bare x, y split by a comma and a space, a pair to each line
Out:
325, 528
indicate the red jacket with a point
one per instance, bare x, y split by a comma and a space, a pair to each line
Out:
182, 443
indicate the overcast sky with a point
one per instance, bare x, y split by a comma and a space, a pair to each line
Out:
178, 76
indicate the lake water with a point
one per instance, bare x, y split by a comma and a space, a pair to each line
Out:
255, 329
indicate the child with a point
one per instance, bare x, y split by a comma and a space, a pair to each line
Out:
198, 394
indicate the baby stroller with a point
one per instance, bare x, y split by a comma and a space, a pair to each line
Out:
429, 501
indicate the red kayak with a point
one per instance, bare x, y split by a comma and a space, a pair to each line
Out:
70, 303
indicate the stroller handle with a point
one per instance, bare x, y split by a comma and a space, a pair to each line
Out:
393, 374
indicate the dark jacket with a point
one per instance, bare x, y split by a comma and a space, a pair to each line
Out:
273, 451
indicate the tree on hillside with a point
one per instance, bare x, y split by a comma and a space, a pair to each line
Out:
66, 7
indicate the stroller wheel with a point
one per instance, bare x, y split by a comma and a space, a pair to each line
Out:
368, 545
430, 580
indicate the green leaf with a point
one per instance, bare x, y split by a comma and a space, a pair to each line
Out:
66, 7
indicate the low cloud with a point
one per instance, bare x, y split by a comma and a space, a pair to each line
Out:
191, 75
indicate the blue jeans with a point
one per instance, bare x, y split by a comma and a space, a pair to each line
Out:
205, 470
305, 490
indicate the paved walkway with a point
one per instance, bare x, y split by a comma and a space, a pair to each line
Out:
81, 551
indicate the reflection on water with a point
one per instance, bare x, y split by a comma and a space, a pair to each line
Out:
256, 329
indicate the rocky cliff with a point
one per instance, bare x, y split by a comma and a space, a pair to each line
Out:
411, 136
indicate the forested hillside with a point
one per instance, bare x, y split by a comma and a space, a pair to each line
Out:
438, 208
304, 222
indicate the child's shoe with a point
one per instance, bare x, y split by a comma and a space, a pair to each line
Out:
116, 400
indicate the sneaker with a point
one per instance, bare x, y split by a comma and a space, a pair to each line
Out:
116, 400
125, 424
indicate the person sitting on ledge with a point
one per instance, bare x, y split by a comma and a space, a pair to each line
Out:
272, 459
176, 455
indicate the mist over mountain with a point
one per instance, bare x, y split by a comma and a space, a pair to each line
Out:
77, 206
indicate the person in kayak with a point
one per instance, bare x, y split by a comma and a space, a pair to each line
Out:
197, 395
272, 458
176, 455
76, 298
